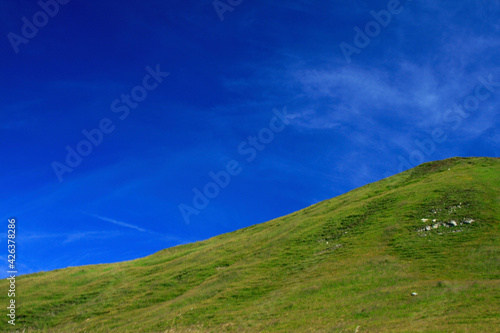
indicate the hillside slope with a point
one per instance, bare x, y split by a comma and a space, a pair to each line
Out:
345, 263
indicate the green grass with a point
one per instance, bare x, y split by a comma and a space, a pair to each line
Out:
345, 263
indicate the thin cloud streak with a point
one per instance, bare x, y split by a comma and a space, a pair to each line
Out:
131, 226
120, 223
70, 237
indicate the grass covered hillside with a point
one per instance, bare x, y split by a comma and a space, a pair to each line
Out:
346, 264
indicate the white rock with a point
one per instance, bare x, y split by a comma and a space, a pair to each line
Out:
428, 228
424, 220
414, 294
452, 223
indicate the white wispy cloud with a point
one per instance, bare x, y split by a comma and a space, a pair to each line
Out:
120, 223
69, 237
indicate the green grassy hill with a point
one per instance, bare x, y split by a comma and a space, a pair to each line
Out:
343, 265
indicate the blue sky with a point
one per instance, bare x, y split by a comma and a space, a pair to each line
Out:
422, 84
